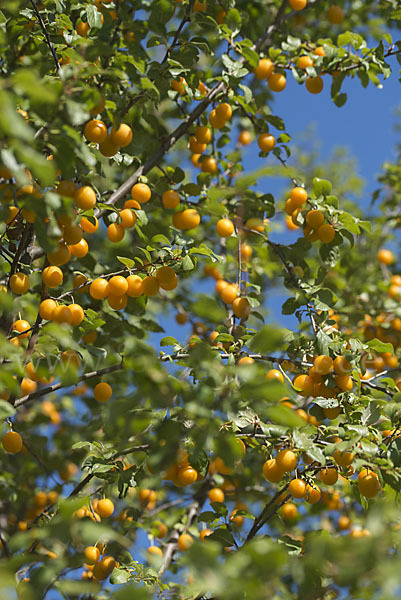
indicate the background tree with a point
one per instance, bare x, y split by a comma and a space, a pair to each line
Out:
249, 460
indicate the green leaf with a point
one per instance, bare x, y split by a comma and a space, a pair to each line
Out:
168, 341
128, 262
119, 576
6, 410
267, 339
371, 414
379, 346
283, 415
321, 187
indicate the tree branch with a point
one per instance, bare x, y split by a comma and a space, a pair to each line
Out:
47, 37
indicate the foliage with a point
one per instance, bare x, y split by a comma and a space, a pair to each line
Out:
247, 460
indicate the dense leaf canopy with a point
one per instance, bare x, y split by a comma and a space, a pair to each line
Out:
223, 456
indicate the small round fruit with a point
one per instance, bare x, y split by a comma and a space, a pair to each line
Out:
122, 136
244, 138
46, 308
323, 364
312, 494
195, 146
305, 384
107, 148
329, 475
224, 228
187, 475
203, 134
229, 293
170, 199
266, 142
271, 471
289, 511
385, 257
141, 193
335, 14
115, 232
245, 360
314, 218
241, 308
99, 289
155, 550
72, 234
102, 392
297, 488
304, 61
343, 458
314, 85
286, 460
264, 69
80, 249
326, 233
22, 327
216, 495
215, 120
105, 508
368, 483
92, 555
52, 276
205, 533
209, 165
19, 283
85, 198
12, 442
95, 131
150, 285
77, 314
135, 286
118, 285
89, 225
274, 375
277, 82
298, 4
299, 196
184, 541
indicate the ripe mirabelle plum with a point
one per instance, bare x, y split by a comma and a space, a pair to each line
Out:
99, 289
266, 142
92, 555
299, 196
104, 568
314, 85
244, 138
304, 61
102, 392
115, 232
80, 249
105, 508
95, 131
21, 326
167, 277
135, 286
335, 14
274, 375
305, 384
323, 364
118, 285
72, 234
28, 386
241, 308
312, 494
277, 82
85, 198
289, 511
12, 442
224, 228
186, 219
179, 85
264, 69
19, 283
52, 276
314, 218
229, 293
107, 148
209, 165
329, 475
326, 233
343, 458
368, 483
187, 475
46, 308
170, 199
141, 193
271, 471
298, 4
155, 550
195, 146
215, 495
89, 225
150, 285
184, 541
286, 460
245, 360
77, 314
122, 136
205, 533
385, 257
203, 134
297, 488
217, 121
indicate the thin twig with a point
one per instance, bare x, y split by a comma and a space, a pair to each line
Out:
48, 40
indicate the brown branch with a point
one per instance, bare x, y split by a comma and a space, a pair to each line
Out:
57, 386
47, 37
